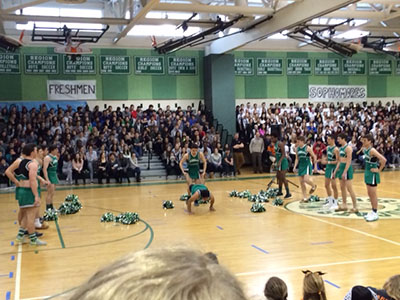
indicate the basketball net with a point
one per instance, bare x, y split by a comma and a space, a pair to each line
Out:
73, 50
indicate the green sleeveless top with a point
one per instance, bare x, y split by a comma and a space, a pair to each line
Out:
342, 151
194, 162
368, 163
302, 154
278, 153
52, 168
330, 151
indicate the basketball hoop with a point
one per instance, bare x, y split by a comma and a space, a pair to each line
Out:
73, 50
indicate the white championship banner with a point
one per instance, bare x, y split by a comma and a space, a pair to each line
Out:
340, 93
71, 89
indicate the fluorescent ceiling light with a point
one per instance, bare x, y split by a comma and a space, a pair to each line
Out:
352, 34
162, 30
29, 25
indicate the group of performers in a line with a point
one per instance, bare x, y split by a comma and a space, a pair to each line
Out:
26, 174
338, 166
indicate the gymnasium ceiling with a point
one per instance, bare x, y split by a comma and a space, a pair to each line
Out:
133, 22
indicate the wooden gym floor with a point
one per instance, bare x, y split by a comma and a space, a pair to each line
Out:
279, 242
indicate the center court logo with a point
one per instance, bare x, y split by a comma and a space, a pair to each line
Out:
389, 208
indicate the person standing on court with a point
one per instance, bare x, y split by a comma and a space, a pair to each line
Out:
238, 158
28, 195
193, 158
256, 149
374, 164
50, 163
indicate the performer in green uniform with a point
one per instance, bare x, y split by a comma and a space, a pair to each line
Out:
42, 152
344, 171
371, 175
282, 165
197, 192
303, 154
332, 157
193, 158
50, 174
27, 194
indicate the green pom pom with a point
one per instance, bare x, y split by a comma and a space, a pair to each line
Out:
277, 202
71, 205
271, 193
184, 197
107, 217
201, 201
127, 218
253, 198
313, 198
233, 193
50, 215
257, 207
168, 204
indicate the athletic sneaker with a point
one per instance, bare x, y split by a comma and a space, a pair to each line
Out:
21, 240
334, 205
196, 203
371, 216
287, 196
38, 234
279, 194
38, 243
328, 203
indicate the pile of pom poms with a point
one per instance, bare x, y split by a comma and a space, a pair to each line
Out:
50, 215
71, 205
184, 197
168, 204
261, 196
126, 218
257, 207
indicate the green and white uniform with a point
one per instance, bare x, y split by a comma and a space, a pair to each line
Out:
19, 177
305, 165
24, 195
342, 166
52, 169
330, 167
284, 164
38, 181
370, 178
197, 187
194, 166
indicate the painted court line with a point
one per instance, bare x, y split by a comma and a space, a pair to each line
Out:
349, 262
36, 298
332, 284
8, 295
344, 227
18, 274
354, 230
321, 243
259, 249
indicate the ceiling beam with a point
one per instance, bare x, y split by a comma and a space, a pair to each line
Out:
26, 18
285, 18
392, 16
23, 5
356, 14
141, 14
384, 2
220, 9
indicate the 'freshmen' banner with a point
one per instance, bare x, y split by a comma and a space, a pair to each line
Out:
71, 89
321, 93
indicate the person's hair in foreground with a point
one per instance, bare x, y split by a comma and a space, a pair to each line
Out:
275, 289
313, 286
176, 273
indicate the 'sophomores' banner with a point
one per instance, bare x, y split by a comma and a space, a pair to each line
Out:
320, 93
71, 89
